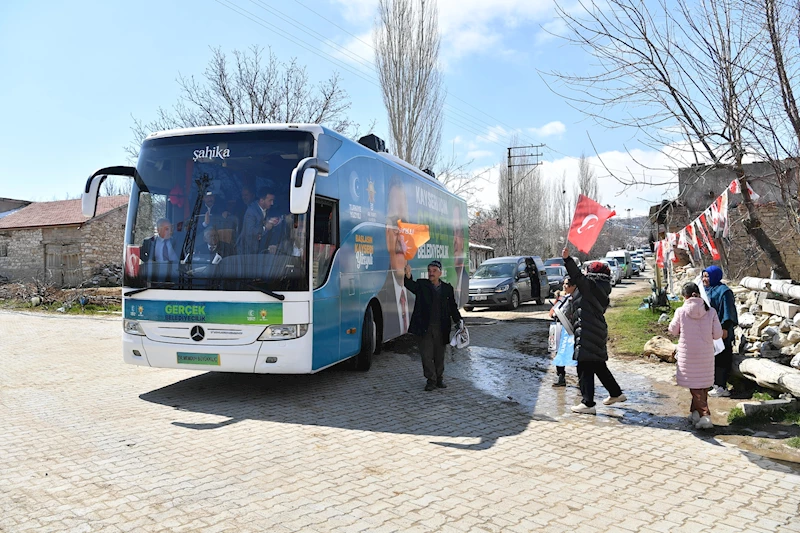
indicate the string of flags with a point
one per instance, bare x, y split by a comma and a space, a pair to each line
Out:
698, 236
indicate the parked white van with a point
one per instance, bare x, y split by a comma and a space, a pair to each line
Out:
623, 257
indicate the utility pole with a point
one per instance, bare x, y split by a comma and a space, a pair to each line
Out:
510, 244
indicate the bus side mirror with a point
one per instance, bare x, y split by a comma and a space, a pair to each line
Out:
304, 176
92, 188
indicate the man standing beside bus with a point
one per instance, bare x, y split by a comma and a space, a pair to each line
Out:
435, 307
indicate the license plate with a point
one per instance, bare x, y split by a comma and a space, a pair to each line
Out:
198, 358
479, 298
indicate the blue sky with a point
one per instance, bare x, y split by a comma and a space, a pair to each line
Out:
76, 73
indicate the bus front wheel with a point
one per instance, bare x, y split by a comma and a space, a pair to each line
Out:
369, 334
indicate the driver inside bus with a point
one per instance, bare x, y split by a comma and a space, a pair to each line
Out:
159, 247
396, 302
213, 249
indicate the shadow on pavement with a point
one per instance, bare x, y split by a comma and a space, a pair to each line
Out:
389, 398
629, 416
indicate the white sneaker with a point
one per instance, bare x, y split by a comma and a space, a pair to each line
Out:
694, 418
611, 400
718, 392
704, 423
581, 408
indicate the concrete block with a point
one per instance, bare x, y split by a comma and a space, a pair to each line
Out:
753, 407
777, 307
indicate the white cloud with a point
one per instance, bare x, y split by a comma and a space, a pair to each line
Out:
479, 154
551, 129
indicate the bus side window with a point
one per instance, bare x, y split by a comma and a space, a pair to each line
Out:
326, 239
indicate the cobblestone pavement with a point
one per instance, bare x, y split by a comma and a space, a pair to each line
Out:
88, 443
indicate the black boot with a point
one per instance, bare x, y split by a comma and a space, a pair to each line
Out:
430, 385
560, 382
440, 384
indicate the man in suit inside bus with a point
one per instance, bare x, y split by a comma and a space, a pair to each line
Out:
259, 225
396, 301
159, 247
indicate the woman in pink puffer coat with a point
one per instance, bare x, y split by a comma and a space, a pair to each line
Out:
697, 326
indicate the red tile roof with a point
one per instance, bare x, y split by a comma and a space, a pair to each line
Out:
61, 213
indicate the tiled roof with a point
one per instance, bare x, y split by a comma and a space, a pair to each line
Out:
61, 213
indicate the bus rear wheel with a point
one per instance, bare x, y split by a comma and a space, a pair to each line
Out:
369, 335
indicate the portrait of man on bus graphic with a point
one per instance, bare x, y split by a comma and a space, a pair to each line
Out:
396, 302
461, 283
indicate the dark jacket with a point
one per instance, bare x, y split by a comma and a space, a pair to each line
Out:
421, 317
147, 252
589, 303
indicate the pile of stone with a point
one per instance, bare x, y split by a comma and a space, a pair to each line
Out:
768, 328
105, 276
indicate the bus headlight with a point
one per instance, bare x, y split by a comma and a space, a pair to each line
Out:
279, 332
132, 327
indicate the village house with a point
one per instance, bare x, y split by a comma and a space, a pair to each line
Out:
54, 242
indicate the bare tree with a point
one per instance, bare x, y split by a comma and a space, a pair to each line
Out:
255, 89
407, 45
685, 74
587, 180
115, 186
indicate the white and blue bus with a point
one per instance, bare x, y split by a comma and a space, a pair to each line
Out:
275, 248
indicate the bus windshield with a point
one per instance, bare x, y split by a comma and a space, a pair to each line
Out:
211, 212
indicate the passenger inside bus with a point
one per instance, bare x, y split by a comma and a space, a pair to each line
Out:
159, 247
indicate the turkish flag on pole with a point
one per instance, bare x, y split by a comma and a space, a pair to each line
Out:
587, 223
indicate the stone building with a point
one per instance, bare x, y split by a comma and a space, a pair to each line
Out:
54, 241
699, 185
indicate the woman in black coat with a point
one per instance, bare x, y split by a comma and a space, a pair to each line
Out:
589, 303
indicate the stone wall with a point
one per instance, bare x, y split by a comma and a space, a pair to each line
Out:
102, 241
699, 185
745, 258
21, 253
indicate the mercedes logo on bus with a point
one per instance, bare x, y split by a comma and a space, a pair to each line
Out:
197, 334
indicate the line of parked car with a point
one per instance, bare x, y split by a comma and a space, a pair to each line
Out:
512, 280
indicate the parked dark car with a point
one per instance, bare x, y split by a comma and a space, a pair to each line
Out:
507, 282
555, 276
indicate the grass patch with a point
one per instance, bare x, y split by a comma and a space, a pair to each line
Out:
89, 309
736, 417
629, 328
762, 396
794, 442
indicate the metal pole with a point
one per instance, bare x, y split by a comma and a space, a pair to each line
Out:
510, 225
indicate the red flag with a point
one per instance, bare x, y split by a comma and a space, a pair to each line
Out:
708, 237
660, 254
587, 223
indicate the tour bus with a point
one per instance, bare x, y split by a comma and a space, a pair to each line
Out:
276, 248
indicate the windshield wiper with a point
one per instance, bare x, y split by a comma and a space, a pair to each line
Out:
268, 292
135, 291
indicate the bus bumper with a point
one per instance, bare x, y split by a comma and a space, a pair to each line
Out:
261, 357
